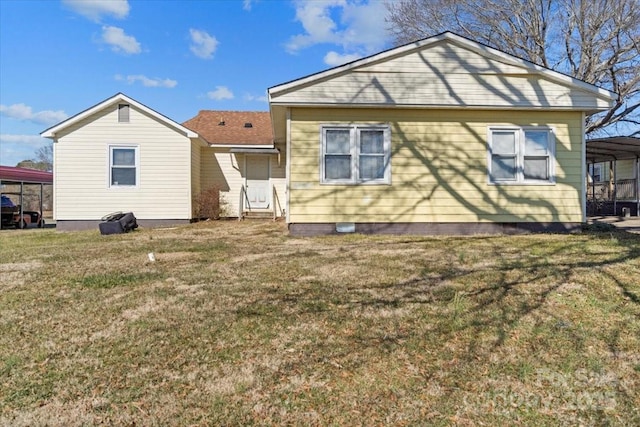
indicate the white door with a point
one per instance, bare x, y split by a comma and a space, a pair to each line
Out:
257, 173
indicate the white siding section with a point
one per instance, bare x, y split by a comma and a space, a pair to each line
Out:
82, 168
196, 179
444, 75
225, 170
222, 169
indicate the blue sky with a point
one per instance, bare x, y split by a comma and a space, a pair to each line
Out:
58, 58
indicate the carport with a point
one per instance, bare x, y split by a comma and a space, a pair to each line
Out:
612, 150
21, 177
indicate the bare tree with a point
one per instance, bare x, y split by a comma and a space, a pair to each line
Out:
44, 157
597, 41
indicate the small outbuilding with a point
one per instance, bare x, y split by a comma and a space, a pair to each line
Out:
121, 155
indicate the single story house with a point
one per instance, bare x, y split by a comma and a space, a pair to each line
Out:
121, 155
444, 135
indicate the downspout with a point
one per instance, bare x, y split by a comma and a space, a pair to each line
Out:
638, 186
593, 181
54, 209
288, 168
583, 166
615, 186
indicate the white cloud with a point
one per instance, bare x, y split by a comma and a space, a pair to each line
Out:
260, 98
146, 81
221, 92
30, 140
365, 26
95, 9
357, 26
334, 59
203, 45
25, 113
16, 148
246, 5
119, 41
319, 26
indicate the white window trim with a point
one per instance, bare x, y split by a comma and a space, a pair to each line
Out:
355, 153
520, 150
110, 164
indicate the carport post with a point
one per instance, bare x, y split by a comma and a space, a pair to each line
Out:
21, 203
41, 196
638, 186
593, 183
615, 185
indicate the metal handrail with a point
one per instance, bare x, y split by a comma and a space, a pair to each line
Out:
273, 202
240, 206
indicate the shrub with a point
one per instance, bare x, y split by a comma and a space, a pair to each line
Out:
208, 204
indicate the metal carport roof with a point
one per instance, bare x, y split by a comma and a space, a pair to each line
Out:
10, 175
612, 148
13, 175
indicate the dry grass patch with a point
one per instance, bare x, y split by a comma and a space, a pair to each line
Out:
240, 324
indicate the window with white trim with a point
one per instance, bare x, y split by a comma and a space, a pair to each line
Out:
123, 166
521, 155
355, 154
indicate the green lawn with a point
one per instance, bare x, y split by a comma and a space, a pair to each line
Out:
237, 323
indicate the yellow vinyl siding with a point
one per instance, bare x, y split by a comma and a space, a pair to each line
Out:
624, 170
445, 75
438, 170
82, 168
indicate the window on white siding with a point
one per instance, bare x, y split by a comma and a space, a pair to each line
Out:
356, 154
123, 166
521, 155
596, 172
123, 113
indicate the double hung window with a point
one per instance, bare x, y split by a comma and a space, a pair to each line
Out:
123, 166
521, 155
356, 154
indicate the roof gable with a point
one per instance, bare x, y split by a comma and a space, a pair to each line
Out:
446, 70
245, 128
118, 98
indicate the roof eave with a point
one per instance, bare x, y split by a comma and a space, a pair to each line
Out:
119, 97
480, 48
232, 145
587, 109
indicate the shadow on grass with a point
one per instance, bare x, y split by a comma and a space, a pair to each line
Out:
493, 296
